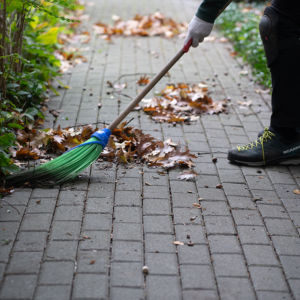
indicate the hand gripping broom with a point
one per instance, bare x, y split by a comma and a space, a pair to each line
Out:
67, 166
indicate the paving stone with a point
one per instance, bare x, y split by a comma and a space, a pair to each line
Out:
8, 230
94, 261
129, 232
211, 194
262, 255
235, 288
273, 211
159, 243
24, 262
286, 191
65, 230
2, 269
128, 214
162, 263
268, 295
295, 287
253, 235
187, 216
184, 200
127, 274
127, 251
295, 217
156, 192
99, 240
280, 227
57, 272
281, 177
206, 168
71, 198
247, 217
268, 278
128, 198
31, 241
38, 222
241, 202
197, 277
198, 254
291, 266
291, 205
224, 244
266, 197
128, 184
19, 197
99, 205
7, 213
68, 213
200, 295
229, 265
126, 293
90, 286
158, 224
45, 292
42, 205
156, 207
286, 245
214, 208
155, 179
207, 180
101, 190
61, 250
163, 288
219, 225
97, 222
234, 189
100, 176
18, 287
5, 251
232, 176
182, 187
45, 193
259, 183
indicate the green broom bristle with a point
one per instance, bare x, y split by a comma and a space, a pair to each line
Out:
61, 169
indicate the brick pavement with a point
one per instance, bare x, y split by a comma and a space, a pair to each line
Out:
91, 238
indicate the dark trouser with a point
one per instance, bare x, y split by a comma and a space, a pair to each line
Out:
285, 73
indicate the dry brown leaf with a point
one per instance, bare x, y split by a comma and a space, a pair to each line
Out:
177, 243
143, 80
297, 192
197, 205
92, 261
187, 175
86, 237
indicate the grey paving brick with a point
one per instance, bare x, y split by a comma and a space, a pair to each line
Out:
126, 293
45, 193
100, 176
187, 216
229, 265
130, 232
266, 197
163, 288
280, 227
259, 182
99, 205
71, 198
128, 184
292, 205
97, 222
65, 230
235, 288
42, 205
261, 255
198, 254
96, 240
234, 189
18, 287
241, 202
2, 269
101, 190
162, 263
156, 192
7, 213
90, 286
295, 217
197, 277
8, 230
61, 250
247, 217
25, 262
286, 245
5, 250
295, 287
127, 251
158, 224
219, 225
273, 211
45, 292
126, 274
182, 187
94, 261
214, 208
286, 191
129, 198
128, 214
56, 272
39, 222
281, 177
232, 176
159, 243
224, 244
30, 241
268, 295
19, 197
155, 179
253, 235
268, 278
207, 181
200, 295
291, 266
206, 168
211, 194
184, 200
156, 207
68, 213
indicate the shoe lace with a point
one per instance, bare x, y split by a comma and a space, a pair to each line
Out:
260, 141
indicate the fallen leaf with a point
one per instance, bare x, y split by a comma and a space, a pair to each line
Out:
38, 201
297, 192
143, 80
197, 205
86, 237
92, 261
187, 175
219, 186
177, 243
147, 183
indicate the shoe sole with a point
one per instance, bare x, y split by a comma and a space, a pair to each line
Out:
289, 162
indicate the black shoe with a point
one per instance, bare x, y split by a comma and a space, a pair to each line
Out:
270, 148
262, 132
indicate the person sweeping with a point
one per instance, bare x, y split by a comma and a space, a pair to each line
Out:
280, 32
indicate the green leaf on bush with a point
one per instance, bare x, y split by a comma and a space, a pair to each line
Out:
11, 168
49, 37
15, 125
7, 140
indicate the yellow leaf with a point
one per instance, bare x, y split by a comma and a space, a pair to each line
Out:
49, 37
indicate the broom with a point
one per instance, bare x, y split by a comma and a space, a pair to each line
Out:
67, 166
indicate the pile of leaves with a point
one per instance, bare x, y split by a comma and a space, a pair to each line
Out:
151, 25
178, 103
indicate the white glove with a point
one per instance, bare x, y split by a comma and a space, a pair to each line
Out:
198, 30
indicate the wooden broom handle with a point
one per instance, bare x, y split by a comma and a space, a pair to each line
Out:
149, 86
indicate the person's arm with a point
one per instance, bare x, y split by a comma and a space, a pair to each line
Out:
203, 22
